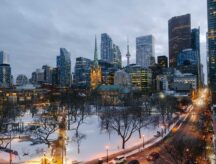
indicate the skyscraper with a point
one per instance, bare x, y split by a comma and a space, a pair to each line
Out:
82, 71
5, 70
163, 61
211, 5
145, 51
179, 36
116, 56
64, 68
47, 74
195, 45
106, 48
4, 58
5, 76
195, 39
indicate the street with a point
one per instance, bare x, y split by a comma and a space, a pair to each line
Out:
188, 129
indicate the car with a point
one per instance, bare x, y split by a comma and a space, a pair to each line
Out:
153, 156
74, 162
37, 141
134, 162
119, 160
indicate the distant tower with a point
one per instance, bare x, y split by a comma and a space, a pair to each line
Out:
128, 54
95, 74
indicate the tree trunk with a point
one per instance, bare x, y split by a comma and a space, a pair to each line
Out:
123, 143
78, 148
140, 136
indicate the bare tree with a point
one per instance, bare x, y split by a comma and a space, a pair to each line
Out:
184, 150
166, 106
78, 139
48, 124
125, 122
6, 139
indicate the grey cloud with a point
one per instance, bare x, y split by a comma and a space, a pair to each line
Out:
33, 31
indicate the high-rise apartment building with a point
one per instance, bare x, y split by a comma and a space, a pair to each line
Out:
145, 51
179, 36
64, 68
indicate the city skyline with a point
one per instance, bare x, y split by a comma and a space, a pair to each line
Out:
38, 37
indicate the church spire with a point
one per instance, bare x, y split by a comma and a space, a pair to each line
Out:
95, 53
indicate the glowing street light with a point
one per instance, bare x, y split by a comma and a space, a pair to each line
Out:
162, 96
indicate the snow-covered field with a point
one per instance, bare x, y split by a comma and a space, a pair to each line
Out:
94, 145
91, 147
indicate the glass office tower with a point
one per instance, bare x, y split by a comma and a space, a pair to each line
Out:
64, 68
179, 36
211, 44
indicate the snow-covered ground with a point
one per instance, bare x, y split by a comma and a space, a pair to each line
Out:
93, 146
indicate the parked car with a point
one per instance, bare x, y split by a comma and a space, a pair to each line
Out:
119, 160
153, 156
74, 162
134, 162
37, 141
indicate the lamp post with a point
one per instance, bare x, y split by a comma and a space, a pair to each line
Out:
187, 154
10, 151
107, 151
143, 141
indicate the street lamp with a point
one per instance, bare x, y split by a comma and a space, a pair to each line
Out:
162, 130
187, 153
107, 149
143, 141
162, 96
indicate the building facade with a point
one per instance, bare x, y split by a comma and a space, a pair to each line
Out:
47, 74
121, 78
117, 59
5, 70
195, 45
106, 48
141, 78
107, 71
4, 58
187, 57
185, 82
179, 36
82, 71
162, 61
211, 9
5, 76
145, 51
162, 83
21, 80
64, 68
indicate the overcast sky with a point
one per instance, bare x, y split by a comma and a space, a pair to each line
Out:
32, 31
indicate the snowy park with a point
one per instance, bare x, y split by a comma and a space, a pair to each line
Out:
87, 132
